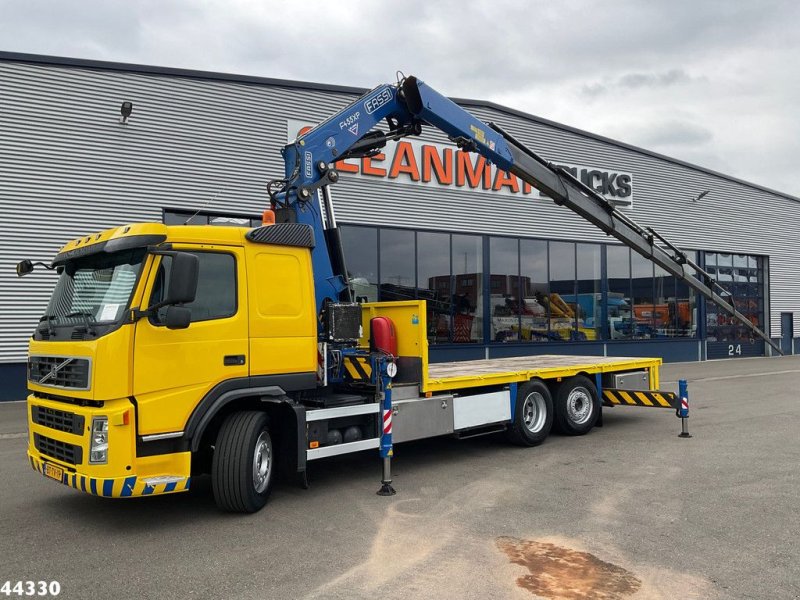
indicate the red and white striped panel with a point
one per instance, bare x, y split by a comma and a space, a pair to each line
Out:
387, 422
321, 366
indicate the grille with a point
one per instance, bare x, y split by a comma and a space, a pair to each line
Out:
59, 371
57, 419
68, 453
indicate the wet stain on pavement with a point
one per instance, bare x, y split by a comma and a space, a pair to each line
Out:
563, 573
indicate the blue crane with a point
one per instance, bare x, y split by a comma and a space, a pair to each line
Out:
302, 195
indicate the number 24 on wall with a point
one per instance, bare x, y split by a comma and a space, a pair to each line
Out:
734, 350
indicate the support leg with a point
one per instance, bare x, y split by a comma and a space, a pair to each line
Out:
387, 450
386, 481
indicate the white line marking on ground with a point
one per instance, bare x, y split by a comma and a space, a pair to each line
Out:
12, 436
722, 377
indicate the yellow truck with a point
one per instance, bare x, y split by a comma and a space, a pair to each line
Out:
168, 352
139, 382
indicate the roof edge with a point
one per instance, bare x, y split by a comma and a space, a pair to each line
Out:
326, 87
104, 65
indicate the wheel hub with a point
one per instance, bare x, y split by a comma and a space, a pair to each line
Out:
262, 462
579, 405
534, 412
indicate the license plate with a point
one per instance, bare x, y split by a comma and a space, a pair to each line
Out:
53, 472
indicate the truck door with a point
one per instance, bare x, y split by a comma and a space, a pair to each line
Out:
173, 369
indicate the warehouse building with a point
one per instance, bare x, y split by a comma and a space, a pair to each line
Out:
505, 271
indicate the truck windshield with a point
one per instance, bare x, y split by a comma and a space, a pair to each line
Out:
95, 288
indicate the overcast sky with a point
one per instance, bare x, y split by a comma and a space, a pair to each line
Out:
713, 83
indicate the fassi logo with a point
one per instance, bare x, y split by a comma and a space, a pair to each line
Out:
440, 165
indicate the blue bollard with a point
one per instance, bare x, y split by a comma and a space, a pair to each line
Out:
682, 410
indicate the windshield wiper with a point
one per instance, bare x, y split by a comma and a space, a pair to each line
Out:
48, 319
86, 315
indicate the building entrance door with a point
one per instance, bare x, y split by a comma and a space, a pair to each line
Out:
787, 332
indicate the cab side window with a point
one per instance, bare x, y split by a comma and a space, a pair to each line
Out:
216, 287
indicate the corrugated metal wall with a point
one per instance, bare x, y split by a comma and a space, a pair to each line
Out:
68, 167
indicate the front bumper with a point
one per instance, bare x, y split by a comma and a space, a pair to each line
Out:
58, 449
113, 487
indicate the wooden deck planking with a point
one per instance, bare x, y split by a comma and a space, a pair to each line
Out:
526, 364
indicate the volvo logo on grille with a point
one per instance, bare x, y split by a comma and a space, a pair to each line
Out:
54, 370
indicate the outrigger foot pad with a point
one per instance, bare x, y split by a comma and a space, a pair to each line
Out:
386, 490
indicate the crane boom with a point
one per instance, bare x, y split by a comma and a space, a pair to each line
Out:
406, 107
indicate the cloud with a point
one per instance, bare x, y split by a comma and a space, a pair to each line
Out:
674, 132
651, 80
669, 76
636, 81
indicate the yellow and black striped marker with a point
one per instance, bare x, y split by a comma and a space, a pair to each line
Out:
358, 368
614, 397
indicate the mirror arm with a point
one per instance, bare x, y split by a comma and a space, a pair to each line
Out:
134, 314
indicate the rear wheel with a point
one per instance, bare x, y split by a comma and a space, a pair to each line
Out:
244, 463
533, 414
577, 406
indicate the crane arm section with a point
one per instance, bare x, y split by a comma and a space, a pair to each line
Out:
406, 107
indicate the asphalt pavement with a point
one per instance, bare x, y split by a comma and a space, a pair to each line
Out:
629, 511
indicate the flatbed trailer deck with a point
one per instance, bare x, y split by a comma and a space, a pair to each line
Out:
498, 371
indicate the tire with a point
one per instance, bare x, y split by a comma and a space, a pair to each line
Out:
243, 467
577, 406
533, 414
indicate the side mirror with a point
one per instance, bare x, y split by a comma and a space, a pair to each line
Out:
182, 286
24, 267
178, 317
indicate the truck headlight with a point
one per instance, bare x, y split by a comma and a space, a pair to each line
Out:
98, 450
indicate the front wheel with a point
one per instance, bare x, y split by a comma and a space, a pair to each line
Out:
577, 406
244, 463
533, 414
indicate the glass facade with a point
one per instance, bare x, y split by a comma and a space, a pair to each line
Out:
742, 276
535, 284
492, 289
467, 288
483, 289
433, 283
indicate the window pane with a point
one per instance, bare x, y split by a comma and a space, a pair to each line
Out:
643, 309
216, 287
188, 218
467, 288
562, 283
96, 287
590, 295
620, 317
361, 256
433, 282
504, 293
664, 309
536, 287
397, 265
743, 276
226, 221
685, 306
